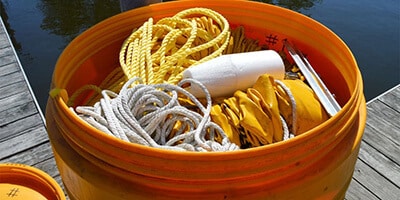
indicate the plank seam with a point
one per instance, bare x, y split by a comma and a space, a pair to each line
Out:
373, 168
35, 146
388, 105
13, 121
370, 144
366, 188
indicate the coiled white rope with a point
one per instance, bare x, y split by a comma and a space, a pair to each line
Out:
152, 115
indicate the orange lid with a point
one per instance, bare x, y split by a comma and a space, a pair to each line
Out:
18, 181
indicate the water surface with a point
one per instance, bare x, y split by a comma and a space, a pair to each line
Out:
40, 30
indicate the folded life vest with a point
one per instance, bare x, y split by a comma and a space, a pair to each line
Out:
259, 116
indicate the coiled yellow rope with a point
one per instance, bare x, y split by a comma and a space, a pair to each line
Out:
158, 53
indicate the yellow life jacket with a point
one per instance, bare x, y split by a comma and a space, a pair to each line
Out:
253, 118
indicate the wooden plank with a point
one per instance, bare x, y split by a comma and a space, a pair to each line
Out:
359, 192
31, 156
5, 51
392, 98
4, 41
10, 79
13, 145
22, 107
384, 118
49, 166
19, 127
8, 69
7, 59
377, 139
381, 163
13, 89
17, 112
375, 182
15, 100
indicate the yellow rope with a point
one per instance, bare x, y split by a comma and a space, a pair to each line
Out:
158, 53
114, 82
71, 100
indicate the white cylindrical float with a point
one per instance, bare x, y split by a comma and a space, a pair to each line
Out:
227, 73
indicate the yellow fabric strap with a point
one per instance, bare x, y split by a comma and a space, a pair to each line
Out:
253, 118
309, 110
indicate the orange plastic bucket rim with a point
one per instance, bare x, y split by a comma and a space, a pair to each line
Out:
25, 182
349, 105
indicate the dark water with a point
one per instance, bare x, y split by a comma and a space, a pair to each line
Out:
41, 29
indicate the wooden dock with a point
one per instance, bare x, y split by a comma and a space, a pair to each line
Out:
23, 136
377, 172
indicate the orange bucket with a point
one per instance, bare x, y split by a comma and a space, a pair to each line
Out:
315, 165
19, 182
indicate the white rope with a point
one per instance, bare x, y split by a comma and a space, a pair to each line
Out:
286, 133
152, 115
293, 103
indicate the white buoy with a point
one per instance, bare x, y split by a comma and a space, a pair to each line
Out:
227, 73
